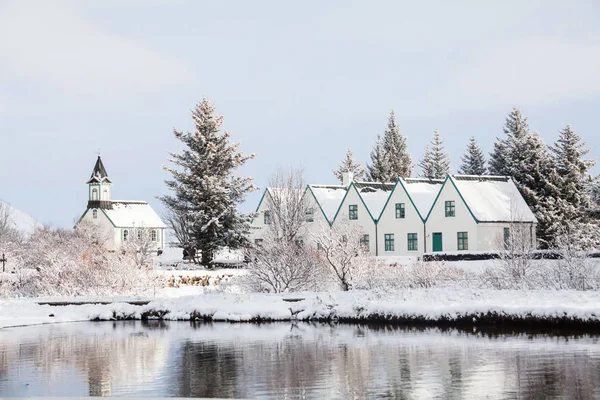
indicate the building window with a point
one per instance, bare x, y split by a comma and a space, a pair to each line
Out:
139, 234
506, 237
463, 240
94, 194
258, 242
450, 209
365, 241
353, 211
319, 246
105, 194
154, 235
95, 214
309, 216
125, 235
299, 242
413, 242
267, 217
400, 211
389, 241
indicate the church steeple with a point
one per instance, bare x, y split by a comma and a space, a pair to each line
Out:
99, 187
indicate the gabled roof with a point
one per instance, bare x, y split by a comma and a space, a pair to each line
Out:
375, 196
423, 193
129, 214
492, 198
329, 198
99, 174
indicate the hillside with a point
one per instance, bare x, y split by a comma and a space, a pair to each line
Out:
18, 219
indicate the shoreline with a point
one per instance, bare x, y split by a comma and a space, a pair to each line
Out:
428, 307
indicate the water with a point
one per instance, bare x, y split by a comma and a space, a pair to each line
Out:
275, 361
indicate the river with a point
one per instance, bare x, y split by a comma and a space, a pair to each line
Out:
283, 360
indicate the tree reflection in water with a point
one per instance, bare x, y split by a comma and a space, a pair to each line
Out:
293, 361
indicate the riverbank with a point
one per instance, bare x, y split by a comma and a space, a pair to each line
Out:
424, 306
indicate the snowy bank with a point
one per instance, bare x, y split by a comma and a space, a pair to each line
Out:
430, 306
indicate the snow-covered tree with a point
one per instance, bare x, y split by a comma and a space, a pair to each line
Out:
426, 164
436, 162
473, 162
349, 165
205, 190
343, 252
593, 188
569, 152
379, 163
396, 150
516, 128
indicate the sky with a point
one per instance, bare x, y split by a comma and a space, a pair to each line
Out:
298, 83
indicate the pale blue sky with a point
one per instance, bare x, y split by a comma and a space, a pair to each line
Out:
298, 83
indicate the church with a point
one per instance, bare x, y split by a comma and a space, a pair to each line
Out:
120, 220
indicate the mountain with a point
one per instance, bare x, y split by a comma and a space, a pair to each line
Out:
24, 223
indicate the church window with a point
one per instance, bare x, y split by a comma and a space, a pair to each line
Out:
94, 194
95, 214
154, 235
105, 194
139, 234
125, 235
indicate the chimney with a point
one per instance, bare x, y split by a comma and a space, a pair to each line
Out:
347, 178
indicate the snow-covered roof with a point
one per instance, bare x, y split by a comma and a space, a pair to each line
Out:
127, 214
493, 198
423, 193
375, 195
329, 198
19, 220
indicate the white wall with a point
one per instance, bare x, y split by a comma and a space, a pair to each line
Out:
463, 221
364, 219
105, 228
388, 223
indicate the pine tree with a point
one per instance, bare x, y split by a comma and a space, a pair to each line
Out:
436, 162
396, 150
205, 191
426, 164
473, 160
349, 165
378, 168
593, 189
516, 129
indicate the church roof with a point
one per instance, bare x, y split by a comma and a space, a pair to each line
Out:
99, 174
129, 214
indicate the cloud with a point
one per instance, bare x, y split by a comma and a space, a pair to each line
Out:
530, 72
51, 43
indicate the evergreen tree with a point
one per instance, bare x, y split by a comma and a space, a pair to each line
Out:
379, 163
593, 188
473, 160
569, 152
436, 162
516, 129
396, 150
349, 165
426, 164
205, 191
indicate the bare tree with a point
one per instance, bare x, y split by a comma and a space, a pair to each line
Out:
288, 203
182, 231
341, 249
141, 245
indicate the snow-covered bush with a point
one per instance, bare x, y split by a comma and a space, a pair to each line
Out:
282, 266
341, 250
75, 263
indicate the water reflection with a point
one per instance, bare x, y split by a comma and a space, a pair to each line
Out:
180, 359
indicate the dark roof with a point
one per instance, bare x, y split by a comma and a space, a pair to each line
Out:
99, 173
386, 187
482, 178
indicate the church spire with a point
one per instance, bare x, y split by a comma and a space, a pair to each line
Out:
99, 174
99, 187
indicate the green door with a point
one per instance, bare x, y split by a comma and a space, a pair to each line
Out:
437, 241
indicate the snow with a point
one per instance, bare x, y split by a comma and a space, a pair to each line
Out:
329, 198
375, 200
493, 200
22, 222
126, 214
423, 193
423, 304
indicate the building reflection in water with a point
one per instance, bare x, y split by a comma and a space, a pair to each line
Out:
292, 361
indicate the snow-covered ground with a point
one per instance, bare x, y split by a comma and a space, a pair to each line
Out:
408, 305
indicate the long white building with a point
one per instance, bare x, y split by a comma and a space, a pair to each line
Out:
416, 216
